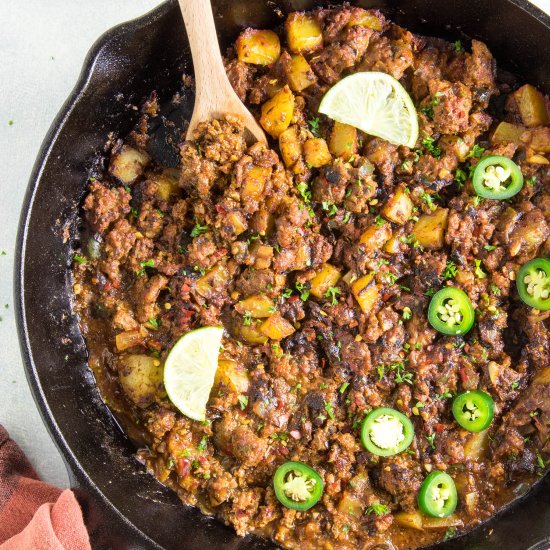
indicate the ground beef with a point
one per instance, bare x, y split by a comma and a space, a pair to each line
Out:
337, 280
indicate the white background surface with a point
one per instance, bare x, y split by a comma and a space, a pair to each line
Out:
42, 46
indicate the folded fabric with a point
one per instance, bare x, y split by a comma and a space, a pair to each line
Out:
33, 514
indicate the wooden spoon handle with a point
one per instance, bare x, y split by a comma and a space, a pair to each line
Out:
210, 76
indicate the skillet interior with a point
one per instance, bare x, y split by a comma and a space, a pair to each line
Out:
126, 508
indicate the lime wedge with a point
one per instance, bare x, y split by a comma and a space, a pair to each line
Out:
190, 368
375, 103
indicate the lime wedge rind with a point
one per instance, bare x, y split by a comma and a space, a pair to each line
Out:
375, 103
190, 369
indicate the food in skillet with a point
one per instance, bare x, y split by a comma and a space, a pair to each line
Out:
383, 288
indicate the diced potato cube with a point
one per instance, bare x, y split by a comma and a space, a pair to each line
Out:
254, 183
127, 163
328, 276
252, 333
366, 292
393, 246
303, 33
399, 207
364, 18
441, 523
290, 146
141, 378
277, 112
543, 377
537, 159
256, 306
430, 229
167, 183
413, 520
531, 106
374, 237
507, 133
299, 74
316, 152
235, 223
538, 139
262, 254
476, 445
276, 327
212, 282
343, 140
232, 375
351, 505
128, 339
259, 47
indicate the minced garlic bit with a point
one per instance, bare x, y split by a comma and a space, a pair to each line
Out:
495, 176
298, 487
536, 283
450, 312
386, 432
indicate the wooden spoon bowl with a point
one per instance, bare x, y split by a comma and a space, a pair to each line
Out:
214, 95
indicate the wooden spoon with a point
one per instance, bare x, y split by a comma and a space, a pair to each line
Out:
214, 95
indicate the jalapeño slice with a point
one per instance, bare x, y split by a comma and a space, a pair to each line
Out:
451, 311
497, 177
473, 410
533, 283
386, 432
297, 486
437, 497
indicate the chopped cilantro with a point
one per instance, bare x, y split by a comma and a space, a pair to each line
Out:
431, 440
460, 177
247, 319
457, 46
79, 259
479, 273
450, 270
379, 221
451, 531
198, 229
314, 125
203, 443
407, 313
378, 509
333, 292
304, 292
428, 144
343, 387
154, 323
429, 200
476, 152
531, 181
243, 401
330, 410
490, 247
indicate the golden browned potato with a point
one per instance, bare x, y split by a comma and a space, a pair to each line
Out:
277, 112
252, 333
441, 523
531, 106
299, 74
374, 237
141, 378
167, 183
366, 292
254, 184
364, 18
316, 152
276, 327
232, 375
258, 47
351, 505
290, 146
393, 246
256, 306
399, 207
430, 229
476, 445
412, 520
538, 139
507, 133
129, 339
343, 140
325, 278
213, 281
303, 33
235, 223
127, 163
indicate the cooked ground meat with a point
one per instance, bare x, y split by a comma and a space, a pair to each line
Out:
348, 276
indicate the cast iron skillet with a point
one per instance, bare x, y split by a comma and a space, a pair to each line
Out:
125, 507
